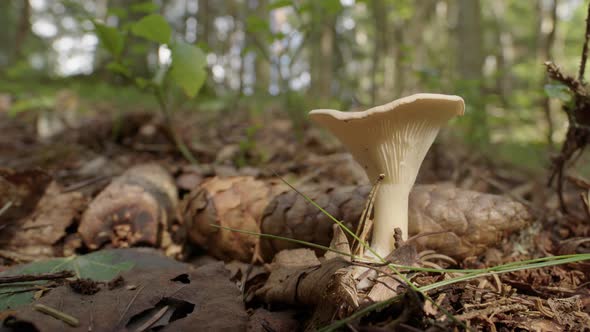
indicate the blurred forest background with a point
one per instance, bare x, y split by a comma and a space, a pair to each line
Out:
298, 55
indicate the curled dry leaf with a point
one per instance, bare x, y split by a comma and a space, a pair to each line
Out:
132, 210
332, 287
36, 234
472, 221
20, 192
298, 278
236, 202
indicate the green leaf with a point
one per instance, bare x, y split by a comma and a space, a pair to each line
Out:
31, 104
119, 68
121, 13
110, 37
153, 27
99, 266
255, 24
331, 6
188, 68
144, 7
142, 83
279, 4
558, 91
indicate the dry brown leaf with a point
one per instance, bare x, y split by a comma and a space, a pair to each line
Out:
37, 234
202, 299
21, 191
297, 277
263, 320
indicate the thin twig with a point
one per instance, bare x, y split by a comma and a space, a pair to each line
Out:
153, 320
573, 84
36, 277
129, 304
68, 319
379, 271
491, 310
84, 183
5, 207
18, 291
16, 257
585, 48
362, 227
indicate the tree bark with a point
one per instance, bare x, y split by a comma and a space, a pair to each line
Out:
322, 52
470, 61
24, 27
379, 46
261, 64
205, 21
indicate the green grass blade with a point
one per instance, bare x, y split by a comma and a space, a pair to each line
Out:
270, 236
334, 219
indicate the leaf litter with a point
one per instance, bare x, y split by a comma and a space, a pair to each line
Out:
236, 187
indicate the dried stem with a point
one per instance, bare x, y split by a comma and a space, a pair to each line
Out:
36, 277
364, 224
70, 320
585, 48
578, 112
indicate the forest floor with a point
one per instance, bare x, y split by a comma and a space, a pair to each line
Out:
57, 192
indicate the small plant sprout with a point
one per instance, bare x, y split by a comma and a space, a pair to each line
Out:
188, 70
392, 140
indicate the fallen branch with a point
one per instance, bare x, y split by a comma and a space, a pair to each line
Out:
578, 112
68, 319
36, 277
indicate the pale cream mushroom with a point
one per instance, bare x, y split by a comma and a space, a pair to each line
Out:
391, 139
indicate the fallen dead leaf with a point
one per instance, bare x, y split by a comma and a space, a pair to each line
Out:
37, 234
263, 320
20, 192
185, 299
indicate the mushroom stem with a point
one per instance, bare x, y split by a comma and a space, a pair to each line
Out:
391, 212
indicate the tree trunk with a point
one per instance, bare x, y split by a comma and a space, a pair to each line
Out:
379, 14
24, 27
205, 22
322, 46
469, 62
261, 64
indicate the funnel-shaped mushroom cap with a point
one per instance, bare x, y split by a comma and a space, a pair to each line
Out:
392, 139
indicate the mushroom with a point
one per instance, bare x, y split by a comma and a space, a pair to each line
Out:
392, 140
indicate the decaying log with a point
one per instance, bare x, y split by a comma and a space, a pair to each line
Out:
133, 210
474, 221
